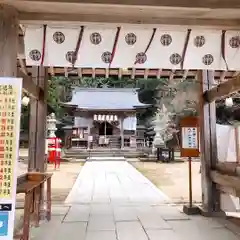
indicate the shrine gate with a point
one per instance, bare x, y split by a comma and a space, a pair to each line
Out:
174, 39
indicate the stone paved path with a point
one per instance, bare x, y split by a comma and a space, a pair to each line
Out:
113, 201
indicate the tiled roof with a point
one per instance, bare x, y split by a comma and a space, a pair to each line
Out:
105, 98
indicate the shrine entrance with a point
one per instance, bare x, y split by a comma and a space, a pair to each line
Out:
105, 129
108, 39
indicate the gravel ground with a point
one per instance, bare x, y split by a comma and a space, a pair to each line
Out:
172, 179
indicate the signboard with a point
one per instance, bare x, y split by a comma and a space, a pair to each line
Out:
10, 111
189, 137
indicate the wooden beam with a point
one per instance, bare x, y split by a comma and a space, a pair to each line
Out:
222, 90
159, 71
79, 70
52, 72
8, 41
30, 87
146, 73
107, 73
119, 73
93, 73
185, 74
66, 72
38, 114
133, 73
229, 168
27, 17
207, 115
226, 180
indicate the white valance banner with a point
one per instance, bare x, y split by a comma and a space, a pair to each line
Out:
173, 48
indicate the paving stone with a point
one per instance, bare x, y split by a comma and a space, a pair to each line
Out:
164, 235
153, 221
130, 231
60, 210
101, 223
125, 214
101, 209
73, 231
101, 235
78, 213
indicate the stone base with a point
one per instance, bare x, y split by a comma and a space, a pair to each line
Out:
205, 213
191, 210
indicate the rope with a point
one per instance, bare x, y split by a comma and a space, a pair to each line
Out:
223, 47
75, 54
185, 47
149, 43
44, 44
115, 45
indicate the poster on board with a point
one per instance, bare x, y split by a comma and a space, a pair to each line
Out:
189, 137
10, 112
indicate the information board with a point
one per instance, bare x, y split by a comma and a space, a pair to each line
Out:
189, 137
10, 112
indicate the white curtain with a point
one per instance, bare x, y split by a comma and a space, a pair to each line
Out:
130, 123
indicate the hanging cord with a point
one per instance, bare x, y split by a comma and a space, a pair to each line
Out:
223, 47
44, 43
185, 47
114, 46
149, 44
75, 54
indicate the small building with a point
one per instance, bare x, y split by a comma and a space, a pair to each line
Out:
103, 117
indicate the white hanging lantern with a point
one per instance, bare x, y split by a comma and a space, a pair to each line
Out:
103, 117
115, 118
111, 118
107, 118
25, 100
95, 117
99, 117
229, 102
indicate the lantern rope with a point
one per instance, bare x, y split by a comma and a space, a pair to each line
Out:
114, 46
44, 44
185, 47
149, 43
75, 54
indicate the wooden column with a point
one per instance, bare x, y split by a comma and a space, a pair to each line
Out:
122, 132
37, 122
8, 41
208, 144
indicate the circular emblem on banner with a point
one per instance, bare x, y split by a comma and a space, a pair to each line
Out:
106, 57
69, 56
35, 55
199, 41
141, 58
175, 58
208, 59
95, 38
58, 37
130, 38
166, 39
234, 42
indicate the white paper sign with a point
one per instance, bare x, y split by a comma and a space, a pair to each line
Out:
190, 137
10, 112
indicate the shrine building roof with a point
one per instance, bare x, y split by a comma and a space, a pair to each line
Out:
105, 99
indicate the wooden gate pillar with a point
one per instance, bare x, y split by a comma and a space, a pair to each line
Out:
208, 144
37, 122
8, 41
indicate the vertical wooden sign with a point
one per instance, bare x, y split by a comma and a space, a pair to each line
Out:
10, 112
189, 137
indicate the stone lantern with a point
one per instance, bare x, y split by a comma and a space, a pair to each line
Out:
51, 125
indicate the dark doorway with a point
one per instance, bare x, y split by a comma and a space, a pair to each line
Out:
105, 126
